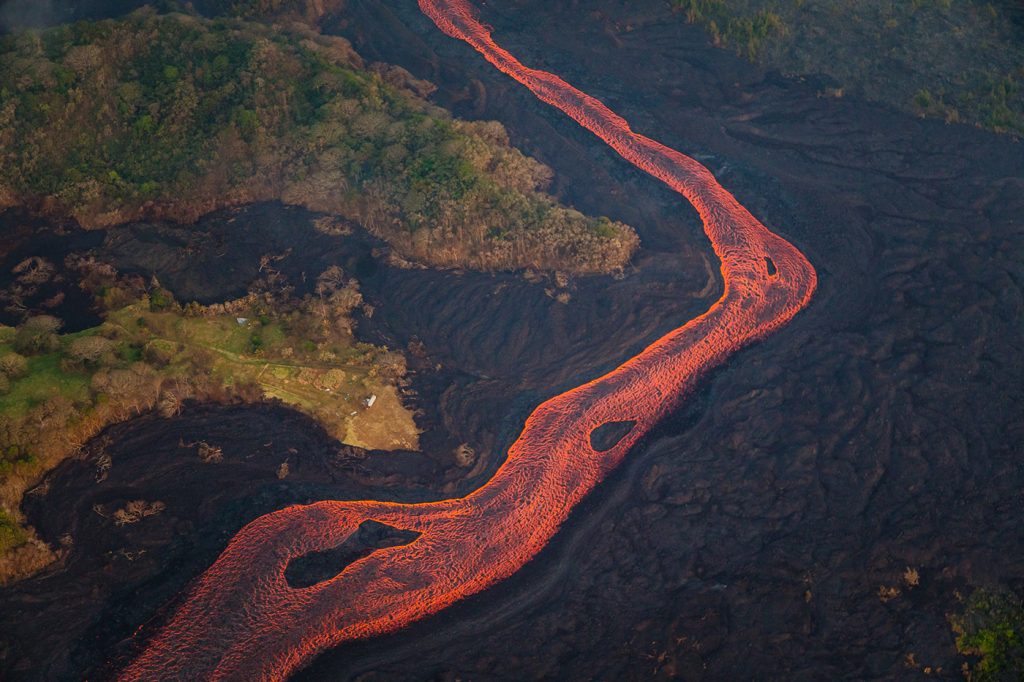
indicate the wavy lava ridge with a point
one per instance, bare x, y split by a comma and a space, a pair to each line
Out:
242, 620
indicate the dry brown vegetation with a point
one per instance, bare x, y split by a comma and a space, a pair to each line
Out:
136, 510
886, 593
911, 577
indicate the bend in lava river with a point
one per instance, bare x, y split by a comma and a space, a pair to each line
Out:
242, 620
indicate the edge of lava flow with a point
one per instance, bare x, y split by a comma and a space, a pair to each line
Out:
241, 619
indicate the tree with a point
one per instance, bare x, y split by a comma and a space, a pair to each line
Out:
38, 335
992, 628
90, 349
13, 366
390, 365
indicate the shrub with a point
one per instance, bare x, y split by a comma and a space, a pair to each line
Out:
160, 299
992, 629
11, 534
746, 34
136, 510
13, 366
38, 335
90, 349
210, 454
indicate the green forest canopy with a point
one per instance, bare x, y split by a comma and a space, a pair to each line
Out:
172, 116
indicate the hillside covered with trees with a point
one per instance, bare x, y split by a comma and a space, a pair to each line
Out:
172, 116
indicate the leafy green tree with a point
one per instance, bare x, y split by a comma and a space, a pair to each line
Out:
991, 629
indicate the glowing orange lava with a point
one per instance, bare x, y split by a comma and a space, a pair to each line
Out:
242, 620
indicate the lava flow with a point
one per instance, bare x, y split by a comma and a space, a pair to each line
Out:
242, 620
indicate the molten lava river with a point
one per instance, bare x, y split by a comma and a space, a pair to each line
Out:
243, 620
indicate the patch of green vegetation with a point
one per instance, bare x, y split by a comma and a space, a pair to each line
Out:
12, 535
991, 629
44, 379
258, 8
150, 353
173, 115
959, 60
745, 33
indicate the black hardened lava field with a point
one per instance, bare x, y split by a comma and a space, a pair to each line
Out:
511, 340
